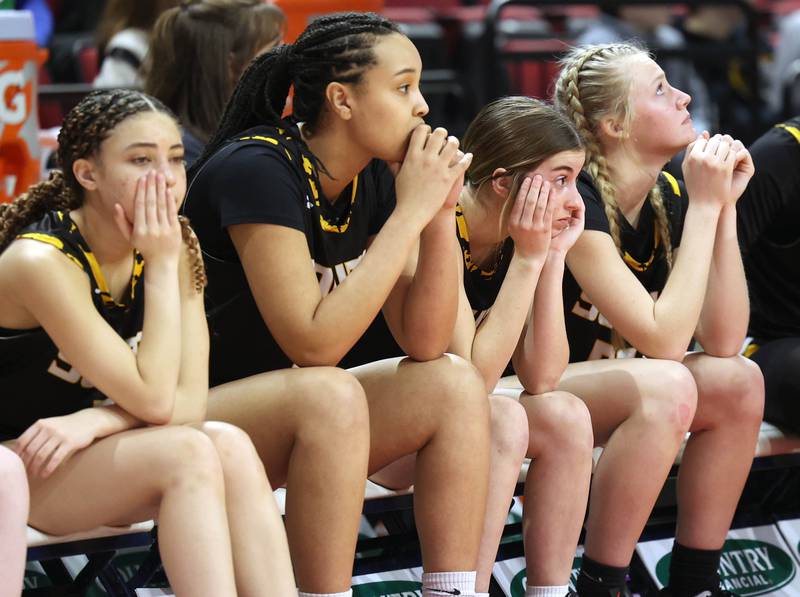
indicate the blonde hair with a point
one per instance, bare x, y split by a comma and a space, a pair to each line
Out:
594, 83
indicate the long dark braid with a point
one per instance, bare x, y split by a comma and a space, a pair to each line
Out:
337, 47
84, 129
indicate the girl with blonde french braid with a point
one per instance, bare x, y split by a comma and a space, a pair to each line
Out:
631, 291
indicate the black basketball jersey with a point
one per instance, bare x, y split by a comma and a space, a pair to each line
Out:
588, 332
767, 215
481, 285
37, 382
268, 176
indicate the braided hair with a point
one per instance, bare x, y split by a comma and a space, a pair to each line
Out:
84, 129
337, 47
592, 84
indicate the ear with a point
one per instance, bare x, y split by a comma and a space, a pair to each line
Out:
501, 184
85, 173
610, 126
339, 99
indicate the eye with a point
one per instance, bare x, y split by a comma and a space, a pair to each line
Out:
561, 181
660, 89
140, 160
178, 160
404, 88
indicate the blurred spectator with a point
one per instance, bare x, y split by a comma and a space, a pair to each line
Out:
221, 35
123, 37
649, 25
75, 24
731, 82
784, 95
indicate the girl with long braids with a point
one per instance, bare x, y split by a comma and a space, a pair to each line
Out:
631, 291
307, 235
81, 254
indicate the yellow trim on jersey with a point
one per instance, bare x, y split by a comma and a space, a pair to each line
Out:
673, 182
793, 130
751, 349
463, 235
260, 138
98, 277
44, 238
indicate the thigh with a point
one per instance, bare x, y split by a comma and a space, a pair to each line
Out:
274, 407
779, 361
614, 389
408, 400
117, 480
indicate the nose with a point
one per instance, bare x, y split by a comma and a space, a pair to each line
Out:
420, 106
165, 168
573, 199
684, 99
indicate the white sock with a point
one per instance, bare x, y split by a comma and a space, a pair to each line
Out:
551, 591
442, 584
481, 594
348, 593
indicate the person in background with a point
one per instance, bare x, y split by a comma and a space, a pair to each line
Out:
222, 36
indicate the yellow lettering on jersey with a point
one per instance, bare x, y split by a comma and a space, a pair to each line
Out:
330, 277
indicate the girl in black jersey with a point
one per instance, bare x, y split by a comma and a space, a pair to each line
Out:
768, 213
13, 515
308, 234
81, 254
629, 284
517, 217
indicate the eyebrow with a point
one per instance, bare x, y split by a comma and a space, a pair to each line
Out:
404, 71
558, 168
658, 77
152, 145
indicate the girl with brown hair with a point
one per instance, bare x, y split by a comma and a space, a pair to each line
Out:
197, 52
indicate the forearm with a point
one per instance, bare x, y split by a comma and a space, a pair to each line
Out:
158, 354
543, 353
344, 314
497, 337
430, 305
107, 419
724, 318
677, 310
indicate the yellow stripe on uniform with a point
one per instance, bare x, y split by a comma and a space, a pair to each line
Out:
260, 138
673, 182
793, 130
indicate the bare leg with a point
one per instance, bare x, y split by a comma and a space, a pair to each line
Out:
557, 485
640, 410
438, 409
310, 428
720, 451
13, 517
258, 539
171, 472
509, 445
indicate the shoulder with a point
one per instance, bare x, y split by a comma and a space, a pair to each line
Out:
27, 266
779, 138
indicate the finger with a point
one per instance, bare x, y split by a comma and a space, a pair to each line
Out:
418, 138
151, 200
713, 145
463, 164
32, 448
139, 218
43, 455
21, 445
124, 227
744, 161
61, 453
519, 200
456, 158
724, 150
449, 149
172, 209
737, 145
699, 145
436, 140
161, 201
550, 208
532, 198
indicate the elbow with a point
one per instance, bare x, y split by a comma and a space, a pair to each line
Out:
723, 347
316, 357
672, 351
423, 354
541, 385
156, 414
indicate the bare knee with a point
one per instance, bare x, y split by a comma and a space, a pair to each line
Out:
558, 421
669, 400
334, 403
461, 391
741, 399
235, 450
13, 481
509, 427
187, 457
